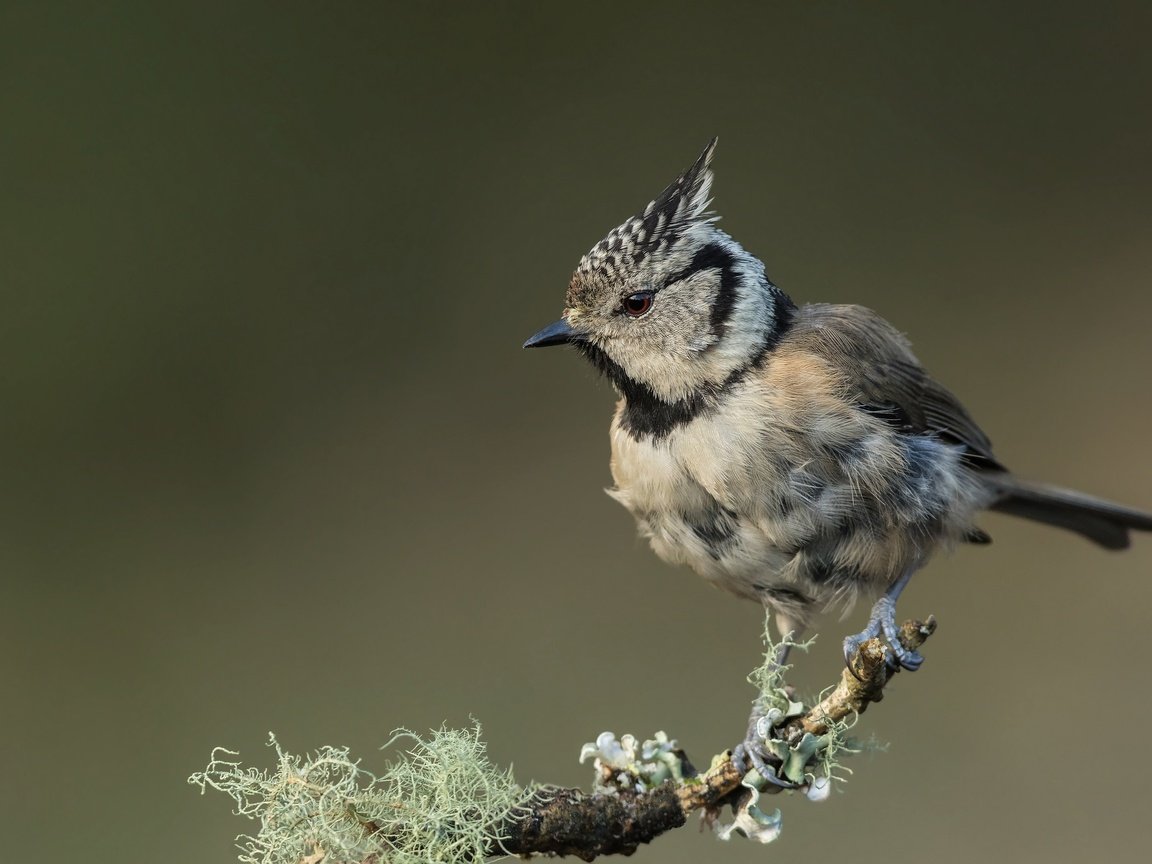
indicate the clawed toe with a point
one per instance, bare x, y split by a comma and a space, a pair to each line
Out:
882, 622
750, 756
905, 659
852, 645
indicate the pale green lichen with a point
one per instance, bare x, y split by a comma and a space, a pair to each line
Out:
440, 802
836, 743
751, 822
621, 764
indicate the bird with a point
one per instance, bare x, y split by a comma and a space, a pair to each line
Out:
798, 456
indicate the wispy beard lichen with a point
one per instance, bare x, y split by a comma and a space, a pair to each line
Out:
442, 801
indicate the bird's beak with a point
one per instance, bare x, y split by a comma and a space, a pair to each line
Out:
559, 333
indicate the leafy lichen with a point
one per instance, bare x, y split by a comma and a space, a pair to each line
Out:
624, 763
442, 801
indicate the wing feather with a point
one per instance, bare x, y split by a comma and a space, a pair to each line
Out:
889, 381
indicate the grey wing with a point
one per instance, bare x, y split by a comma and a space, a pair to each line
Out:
890, 383
889, 380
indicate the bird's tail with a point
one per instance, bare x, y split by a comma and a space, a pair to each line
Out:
1100, 521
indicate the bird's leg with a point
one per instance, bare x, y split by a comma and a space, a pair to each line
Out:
751, 752
882, 621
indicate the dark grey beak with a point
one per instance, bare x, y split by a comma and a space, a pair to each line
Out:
554, 334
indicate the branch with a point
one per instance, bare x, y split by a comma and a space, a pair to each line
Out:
861, 683
444, 802
567, 822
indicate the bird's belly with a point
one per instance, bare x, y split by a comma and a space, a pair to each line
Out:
795, 527
685, 524
734, 556
796, 554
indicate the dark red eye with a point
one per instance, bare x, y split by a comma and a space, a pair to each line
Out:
637, 304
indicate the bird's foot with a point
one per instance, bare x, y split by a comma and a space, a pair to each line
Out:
882, 622
752, 756
752, 753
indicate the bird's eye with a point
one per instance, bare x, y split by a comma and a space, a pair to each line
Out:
638, 304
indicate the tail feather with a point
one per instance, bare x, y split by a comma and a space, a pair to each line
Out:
1100, 521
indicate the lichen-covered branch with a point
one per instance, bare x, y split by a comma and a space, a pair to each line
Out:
445, 802
567, 822
861, 683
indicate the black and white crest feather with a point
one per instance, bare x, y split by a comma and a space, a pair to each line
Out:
682, 204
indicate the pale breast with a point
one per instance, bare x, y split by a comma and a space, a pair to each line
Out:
794, 493
683, 521
711, 495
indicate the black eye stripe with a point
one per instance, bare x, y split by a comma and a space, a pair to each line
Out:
714, 256
710, 257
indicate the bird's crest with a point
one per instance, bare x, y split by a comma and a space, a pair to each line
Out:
681, 205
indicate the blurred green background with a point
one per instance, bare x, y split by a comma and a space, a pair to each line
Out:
273, 458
